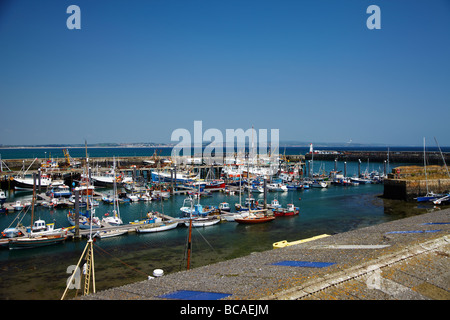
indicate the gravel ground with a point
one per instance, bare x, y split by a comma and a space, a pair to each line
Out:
410, 261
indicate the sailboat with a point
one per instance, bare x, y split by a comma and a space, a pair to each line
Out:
114, 219
255, 217
430, 196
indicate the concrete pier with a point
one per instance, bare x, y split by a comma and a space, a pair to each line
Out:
406, 259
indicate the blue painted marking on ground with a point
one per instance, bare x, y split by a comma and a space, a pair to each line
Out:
413, 231
429, 223
304, 264
194, 295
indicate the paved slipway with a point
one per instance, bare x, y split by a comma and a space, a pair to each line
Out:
406, 259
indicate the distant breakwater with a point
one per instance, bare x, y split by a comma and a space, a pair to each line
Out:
381, 156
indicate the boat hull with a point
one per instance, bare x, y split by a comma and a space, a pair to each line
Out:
148, 228
25, 243
254, 220
283, 213
110, 233
202, 222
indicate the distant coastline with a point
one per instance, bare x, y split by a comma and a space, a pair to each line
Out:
282, 144
77, 146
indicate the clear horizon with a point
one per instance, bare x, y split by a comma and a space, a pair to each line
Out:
137, 71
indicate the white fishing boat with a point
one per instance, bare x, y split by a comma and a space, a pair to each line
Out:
107, 179
59, 191
157, 194
84, 220
275, 203
2, 197
18, 205
319, 184
224, 207
40, 228
133, 197
189, 208
167, 176
277, 187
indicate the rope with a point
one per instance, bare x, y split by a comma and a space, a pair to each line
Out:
19, 215
124, 263
206, 240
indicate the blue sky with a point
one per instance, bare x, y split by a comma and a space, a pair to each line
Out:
138, 70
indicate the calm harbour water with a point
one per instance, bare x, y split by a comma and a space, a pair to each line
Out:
41, 273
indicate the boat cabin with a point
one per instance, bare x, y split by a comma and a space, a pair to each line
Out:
224, 206
39, 225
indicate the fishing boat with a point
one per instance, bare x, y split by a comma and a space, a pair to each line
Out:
224, 207
160, 194
319, 184
107, 179
290, 210
167, 176
26, 182
215, 184
2, 197
40, 228
84, 220
59, 191
250, 203
275, 203
18, 205
277, 187
203, 221
85, 189
189, 208
359, 180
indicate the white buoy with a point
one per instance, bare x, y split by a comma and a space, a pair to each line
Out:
158, 272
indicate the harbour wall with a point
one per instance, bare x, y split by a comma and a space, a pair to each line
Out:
407, 189
107, 162
381, 156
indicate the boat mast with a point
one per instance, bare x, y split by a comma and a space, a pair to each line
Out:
88, 252
32, 202
443, 159
425, 164
189, 238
